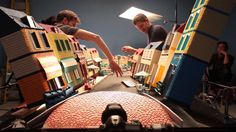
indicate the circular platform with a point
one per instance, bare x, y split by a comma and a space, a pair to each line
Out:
84, 111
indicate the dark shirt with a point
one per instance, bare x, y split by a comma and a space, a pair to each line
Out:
157, 33
218, 71
67, 29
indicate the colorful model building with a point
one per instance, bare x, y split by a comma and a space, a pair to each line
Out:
82, 62
92, 69
198, 42
167, 54
63, 51
95, 57
30, 56
124, 62
79, 57
150, 58
135, 62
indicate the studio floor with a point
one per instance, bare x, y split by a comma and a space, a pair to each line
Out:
200, 114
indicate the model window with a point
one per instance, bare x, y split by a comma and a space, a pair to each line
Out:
75, 46
90, 70
180, 42
58, 45
76, 74
189, 21
63, 45
35, 40
185, 42
78, 46
67, 45
141, 67
202, 2
168, 40
196, 4
146, 68
45, 40
60, 82
147, 55
74, 39
150, 54
195, 19
68, 78
52, 84
144, 54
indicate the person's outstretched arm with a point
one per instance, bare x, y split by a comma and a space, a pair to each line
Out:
92, 37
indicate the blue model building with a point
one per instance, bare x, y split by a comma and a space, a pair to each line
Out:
198, 42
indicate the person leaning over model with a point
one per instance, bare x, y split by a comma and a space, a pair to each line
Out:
67, 21
154, 32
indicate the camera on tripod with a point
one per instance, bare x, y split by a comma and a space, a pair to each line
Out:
114, 119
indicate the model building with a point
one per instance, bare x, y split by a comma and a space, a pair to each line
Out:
95, 57
167, 54
62, 48
31, 56
190, 58
163, 86
135, 62
79, 57
149, 60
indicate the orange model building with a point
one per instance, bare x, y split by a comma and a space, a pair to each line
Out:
30, 56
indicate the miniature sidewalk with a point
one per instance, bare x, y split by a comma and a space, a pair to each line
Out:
98, 79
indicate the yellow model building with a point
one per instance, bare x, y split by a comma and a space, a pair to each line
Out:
63, 50
150, 58
167, 55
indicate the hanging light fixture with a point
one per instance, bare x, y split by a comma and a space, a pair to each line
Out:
133, 11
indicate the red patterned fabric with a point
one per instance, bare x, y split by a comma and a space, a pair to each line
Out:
84, 111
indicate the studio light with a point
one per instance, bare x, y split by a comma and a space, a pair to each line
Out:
133, 11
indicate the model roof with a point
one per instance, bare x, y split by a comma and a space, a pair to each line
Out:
155, 45
13, 20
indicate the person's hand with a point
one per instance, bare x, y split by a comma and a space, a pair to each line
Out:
115, 68
223, 52
128, 49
